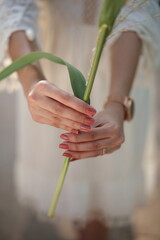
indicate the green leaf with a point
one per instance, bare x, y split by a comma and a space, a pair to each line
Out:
109, 12
77, 79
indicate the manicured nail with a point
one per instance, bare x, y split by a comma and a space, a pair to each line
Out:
64, 146
84, 127
65, 154
73, 159
91, 111
74, 131
89, 120
64, 136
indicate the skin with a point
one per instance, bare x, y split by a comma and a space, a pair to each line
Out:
88, 132
107, 132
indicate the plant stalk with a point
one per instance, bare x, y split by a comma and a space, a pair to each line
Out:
96, 58
59, 188
92, 74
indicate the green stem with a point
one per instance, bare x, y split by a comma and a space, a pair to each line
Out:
59, 187
96, 59
99, 47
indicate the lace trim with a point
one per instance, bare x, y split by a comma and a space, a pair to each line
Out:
11, 83
15, 15
130, 7
131, 26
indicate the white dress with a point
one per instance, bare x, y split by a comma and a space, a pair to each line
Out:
111, 185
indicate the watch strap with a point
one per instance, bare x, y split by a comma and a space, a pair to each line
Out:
125, 101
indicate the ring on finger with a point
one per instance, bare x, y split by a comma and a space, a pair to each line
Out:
105, 151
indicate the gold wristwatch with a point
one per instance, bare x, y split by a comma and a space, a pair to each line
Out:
127, 103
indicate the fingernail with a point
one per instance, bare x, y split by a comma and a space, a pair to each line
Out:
74, 131
73, 159
64, 136
91, 111
65, 154
64, 146
89, 120
84, 127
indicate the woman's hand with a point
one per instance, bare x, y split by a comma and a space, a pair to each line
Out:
52, 106
107, 133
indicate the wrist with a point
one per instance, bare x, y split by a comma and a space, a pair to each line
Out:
126, 102
29, 76
116, 108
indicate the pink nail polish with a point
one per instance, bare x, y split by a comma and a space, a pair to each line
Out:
73, 159
64, 136
85, 127
74, 131
64, 146
65, 154
91, 111
89, 120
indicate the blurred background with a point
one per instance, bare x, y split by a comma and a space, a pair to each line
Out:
16, 221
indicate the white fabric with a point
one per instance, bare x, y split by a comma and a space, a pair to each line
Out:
15, 15
114, 184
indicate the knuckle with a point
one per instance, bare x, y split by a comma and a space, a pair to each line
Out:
56, 122
77, 155
42, 86
31, 98
96, 145
73, 138
36, 118
55, 125
55, 119
75, 147
116, 128
58, 109
66, 97
92, 135
121, 139
31, 109
74, 125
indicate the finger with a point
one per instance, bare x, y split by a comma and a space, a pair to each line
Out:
89, 154
67, 99
95, 134
55, 119
54, 122
62, 111
91, 146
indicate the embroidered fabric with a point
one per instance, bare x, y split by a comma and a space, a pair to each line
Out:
15, 15
142, 17
23, 16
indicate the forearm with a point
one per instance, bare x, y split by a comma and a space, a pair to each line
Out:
124, 59
19, 46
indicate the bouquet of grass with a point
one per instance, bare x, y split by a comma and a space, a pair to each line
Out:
109, 12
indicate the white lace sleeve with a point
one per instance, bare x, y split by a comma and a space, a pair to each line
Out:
142, 17
15, 15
